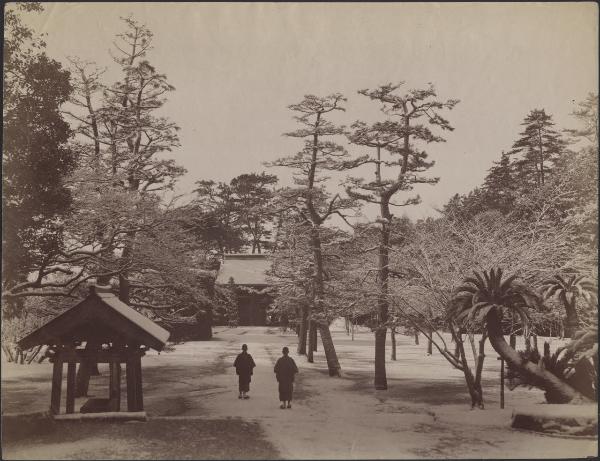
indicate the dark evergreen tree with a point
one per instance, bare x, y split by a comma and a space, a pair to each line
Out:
253, 194
538, 149
36, 158
213, 216
499, 186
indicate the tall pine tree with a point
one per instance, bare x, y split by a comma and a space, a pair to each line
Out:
416, 113
315, 205
538, 149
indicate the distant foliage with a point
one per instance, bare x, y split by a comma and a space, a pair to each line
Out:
544, 184
36, 156
232, 216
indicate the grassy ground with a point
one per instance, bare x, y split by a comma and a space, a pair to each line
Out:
43, 438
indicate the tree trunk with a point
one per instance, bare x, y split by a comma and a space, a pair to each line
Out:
124, 285
429, 331
303, 331
8, 353
479, 368
571, 321
318, 295
314, 339
416, 337
393, 338
430, 343
380, 373
382, 299
473, 384
311, 338
124, 290
86, 369
332, 361
82, 379
536, 375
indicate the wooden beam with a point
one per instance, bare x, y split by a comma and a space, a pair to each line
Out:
71, 368
57, 372
109, 356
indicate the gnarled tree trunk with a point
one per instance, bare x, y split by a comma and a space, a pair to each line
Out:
536, 375
319, 293
473, 382
332, 361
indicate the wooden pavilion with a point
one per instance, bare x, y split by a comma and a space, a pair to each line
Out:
100, 329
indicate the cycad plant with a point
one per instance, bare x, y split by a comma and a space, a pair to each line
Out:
484, 299
576, 363
568, 289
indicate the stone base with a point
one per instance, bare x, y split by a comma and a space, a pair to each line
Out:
558, 419
106, 416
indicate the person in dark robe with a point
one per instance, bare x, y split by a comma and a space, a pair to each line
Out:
285, 370
244, 364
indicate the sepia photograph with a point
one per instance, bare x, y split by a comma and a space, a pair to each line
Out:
255, 230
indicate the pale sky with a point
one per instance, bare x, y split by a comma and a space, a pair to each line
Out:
236, 68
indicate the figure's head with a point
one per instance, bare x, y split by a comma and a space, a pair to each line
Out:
285, 351
244, 347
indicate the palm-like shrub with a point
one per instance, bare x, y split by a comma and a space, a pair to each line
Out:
489, 296
568, 289
483, 300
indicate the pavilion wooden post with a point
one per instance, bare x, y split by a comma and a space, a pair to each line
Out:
133, 372
139, 404
114, 393
57, 372
71, 368
130, 379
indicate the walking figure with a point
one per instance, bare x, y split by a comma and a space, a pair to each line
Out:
244, 363
285, 369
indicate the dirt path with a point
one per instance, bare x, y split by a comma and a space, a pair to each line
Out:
345, 418
424, 413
